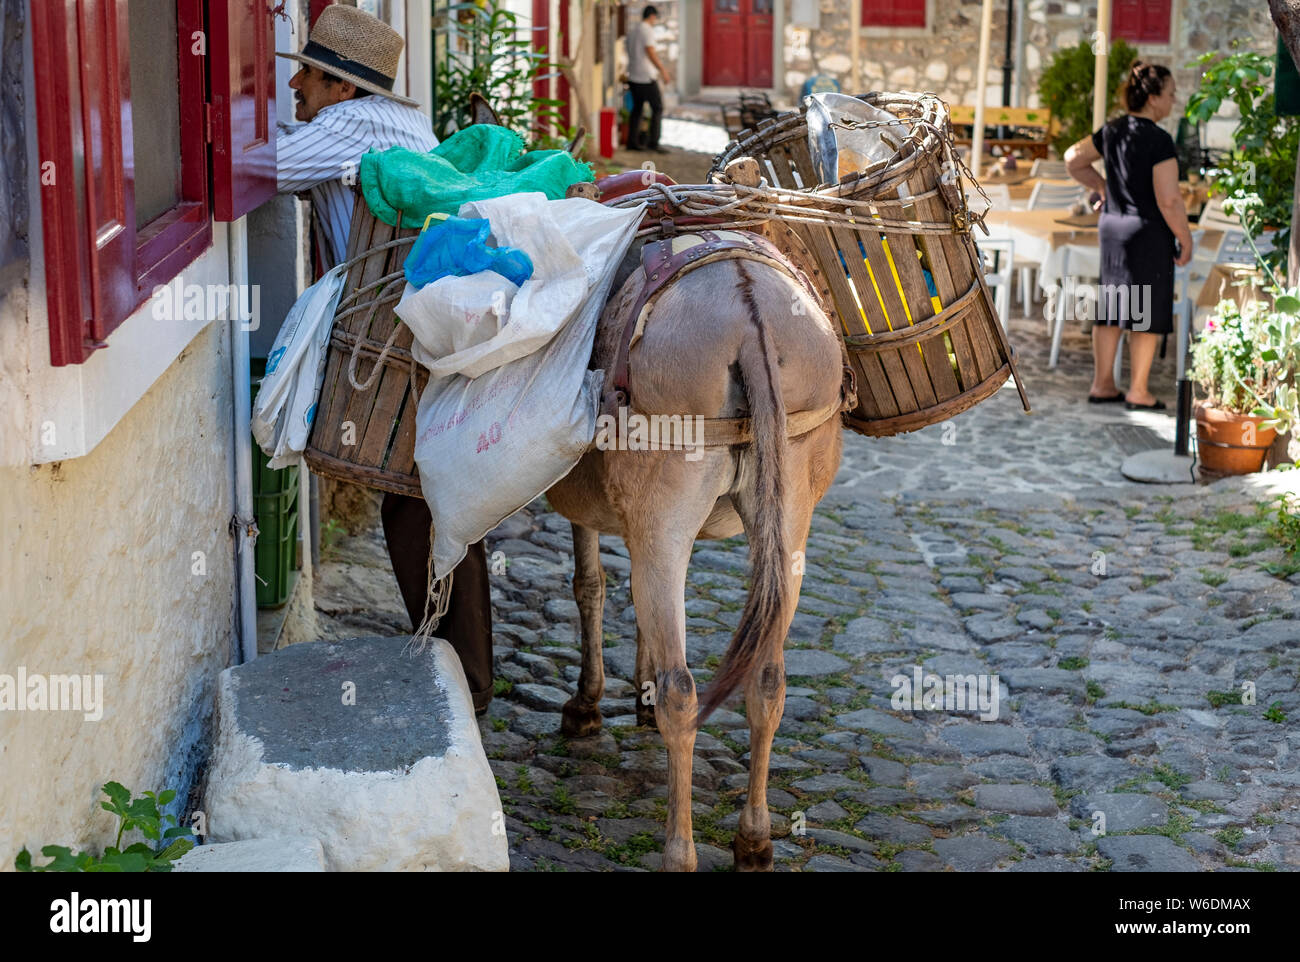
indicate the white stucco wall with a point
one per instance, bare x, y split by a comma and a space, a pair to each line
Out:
96, 576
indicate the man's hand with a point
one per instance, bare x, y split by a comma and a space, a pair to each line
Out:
1184, 251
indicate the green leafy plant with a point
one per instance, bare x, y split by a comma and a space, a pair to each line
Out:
1286, 531
134, 814
1228, 358
1257, 177
488, 52
1065, 88
1275, 713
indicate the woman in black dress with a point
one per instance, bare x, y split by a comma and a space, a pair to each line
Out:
1143, 232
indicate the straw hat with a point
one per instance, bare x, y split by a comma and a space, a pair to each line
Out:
357, 47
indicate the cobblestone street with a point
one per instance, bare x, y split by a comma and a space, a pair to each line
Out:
1120, 619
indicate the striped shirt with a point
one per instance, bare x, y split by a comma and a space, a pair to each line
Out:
324, 156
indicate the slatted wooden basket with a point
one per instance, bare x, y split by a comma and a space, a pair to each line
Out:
920, 355
365, 432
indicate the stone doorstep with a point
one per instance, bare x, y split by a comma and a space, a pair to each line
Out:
296, 853
397, 780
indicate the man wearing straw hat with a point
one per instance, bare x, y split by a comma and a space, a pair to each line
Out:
345, 100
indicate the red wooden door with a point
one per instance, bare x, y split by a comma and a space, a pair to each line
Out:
724, 44
758, 43
738, 43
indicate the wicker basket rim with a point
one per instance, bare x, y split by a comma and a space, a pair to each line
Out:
792, 125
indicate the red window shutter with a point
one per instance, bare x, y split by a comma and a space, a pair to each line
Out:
241, 54
876, 13
909, 13
893, 13
314, 9
1126, 21
1155, 21
87, 200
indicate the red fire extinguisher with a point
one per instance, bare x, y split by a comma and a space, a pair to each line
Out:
608, 126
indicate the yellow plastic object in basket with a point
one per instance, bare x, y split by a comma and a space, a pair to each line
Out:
898, 285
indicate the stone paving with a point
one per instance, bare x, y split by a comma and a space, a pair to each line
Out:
1120, 620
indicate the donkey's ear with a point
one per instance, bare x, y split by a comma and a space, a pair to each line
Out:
481, 112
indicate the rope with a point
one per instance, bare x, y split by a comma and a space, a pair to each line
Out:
383, 354
754, 205
438, 591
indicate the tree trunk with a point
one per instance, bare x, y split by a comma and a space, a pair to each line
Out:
1286, 15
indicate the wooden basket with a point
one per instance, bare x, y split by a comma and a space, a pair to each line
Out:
919, 358
366, 433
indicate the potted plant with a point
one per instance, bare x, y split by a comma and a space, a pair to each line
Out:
1235, 363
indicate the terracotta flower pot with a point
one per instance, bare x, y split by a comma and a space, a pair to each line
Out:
1230, 443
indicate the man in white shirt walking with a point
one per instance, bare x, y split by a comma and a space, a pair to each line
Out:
641, 56
345, 100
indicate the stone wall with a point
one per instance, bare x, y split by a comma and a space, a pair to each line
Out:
98, 575
98, 567
944, 58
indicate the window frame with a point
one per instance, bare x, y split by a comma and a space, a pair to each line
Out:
100, 266
178, 235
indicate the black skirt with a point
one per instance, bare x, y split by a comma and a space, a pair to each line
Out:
1137, 274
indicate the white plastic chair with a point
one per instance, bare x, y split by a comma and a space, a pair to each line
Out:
998, 257
1051, 169
1045, 196
1235, 249
999, 196
1054, 195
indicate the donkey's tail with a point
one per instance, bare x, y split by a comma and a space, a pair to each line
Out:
760, 500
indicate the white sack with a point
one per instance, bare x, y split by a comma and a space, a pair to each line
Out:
569, 242
503, 419
286, 400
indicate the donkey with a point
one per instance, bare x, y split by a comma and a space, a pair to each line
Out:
723, 340
730, 338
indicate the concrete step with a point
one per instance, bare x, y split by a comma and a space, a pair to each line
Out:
363, 745
296, 853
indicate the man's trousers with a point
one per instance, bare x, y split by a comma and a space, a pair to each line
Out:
467, 625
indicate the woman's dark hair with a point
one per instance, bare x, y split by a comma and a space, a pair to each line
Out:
1145, 80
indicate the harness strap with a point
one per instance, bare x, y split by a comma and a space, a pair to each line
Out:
661, 263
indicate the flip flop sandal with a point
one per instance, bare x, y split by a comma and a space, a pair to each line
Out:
1092, 399
1158, 406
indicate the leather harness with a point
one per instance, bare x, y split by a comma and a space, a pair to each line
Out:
671, 257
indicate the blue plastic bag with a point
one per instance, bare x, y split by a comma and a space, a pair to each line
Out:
458, 246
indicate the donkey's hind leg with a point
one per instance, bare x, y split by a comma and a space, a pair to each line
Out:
581, 713
645, 677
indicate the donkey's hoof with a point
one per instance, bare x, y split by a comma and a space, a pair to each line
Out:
645, 715
752, 856
679, 856
578, 720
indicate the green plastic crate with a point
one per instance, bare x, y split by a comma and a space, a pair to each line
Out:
275, 507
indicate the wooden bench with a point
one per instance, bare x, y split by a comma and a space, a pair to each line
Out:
745, 113
1023, 118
